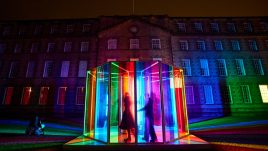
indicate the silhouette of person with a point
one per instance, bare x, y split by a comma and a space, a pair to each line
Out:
127, 122
35, 127
149, 119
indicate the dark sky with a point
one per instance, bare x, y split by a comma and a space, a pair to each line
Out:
55, 9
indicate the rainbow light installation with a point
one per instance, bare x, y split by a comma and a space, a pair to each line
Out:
104, 105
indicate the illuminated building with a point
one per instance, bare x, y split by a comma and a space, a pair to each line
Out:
43, 63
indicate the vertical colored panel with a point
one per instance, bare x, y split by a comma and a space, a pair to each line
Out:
8, 95
171, 123
26, 95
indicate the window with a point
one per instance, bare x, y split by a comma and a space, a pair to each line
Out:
86, 27
181, 27
156, 44
84, 46
64, 68
218, 45
37, 29
30, 69
214, 27
208, 94
258, 68
183, 44
204, 67
61, 95
67, 46
186, 66
247, 27
134, 44
48, 69
246, 93
252, 44
240, 70
6, 30
53, 29
198, 27
3, 47
221, 65
112, 44
157, 59
8, 95
26, 95
82, 69
226, 94
200, 45
14, 69
235, 44
51, 47
43, 95
134, 59
22, 30
264, 93
231, 27
34, 47
189, 94
17, 48
80, 95
264, 26
69, 29
111, 59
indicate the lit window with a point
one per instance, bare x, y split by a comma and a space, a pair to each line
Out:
247, 27
186, 66
208, 94
14, 69
221, 65
84, 46
252, 45
189, 91
200, 45
111, 59
80, 95
112, 44
181, 27
156, 44
8, 95
67, 46
48, 69
51, 47
157, 59
34, 47
65, 68
231, 27
30, 69
43, 98
204, 67
214, 27
26, 95
134, 59
246, 94
240, 69
198, 27
69, 28
183, 44
218, 45
82, 68
257, 64
134, 44
86, 27
61, 95
264, 93
235, 44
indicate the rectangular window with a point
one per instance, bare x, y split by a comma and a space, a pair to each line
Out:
264, 26
208, 94
134, 44
235, 44
181, 27
214, 27
157, 59
231, 27
218, 45
200, 45
61, 95
26, 95
65, 68
48, 69
17, 48
258, 68
183, 44
8, 95
156, 44
51, 47
252, 44
264, 93
14, 69
189, 94
69, 28
82, 68
111, 59
226, 94
53, 29
221, 65
204, 67
112, 44
240, 69
133, 59
86, 27
3, 47
6, 30
198, 27
80, 95
34, 47
43, 95
37, 29
246, 94
186, 66
84, 46
67, 46
247, 27
30, 69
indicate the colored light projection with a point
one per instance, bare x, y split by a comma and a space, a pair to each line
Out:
160, 84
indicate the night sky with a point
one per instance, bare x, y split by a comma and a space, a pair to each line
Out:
57, 9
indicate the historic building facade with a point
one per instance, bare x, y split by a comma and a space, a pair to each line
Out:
225, 60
